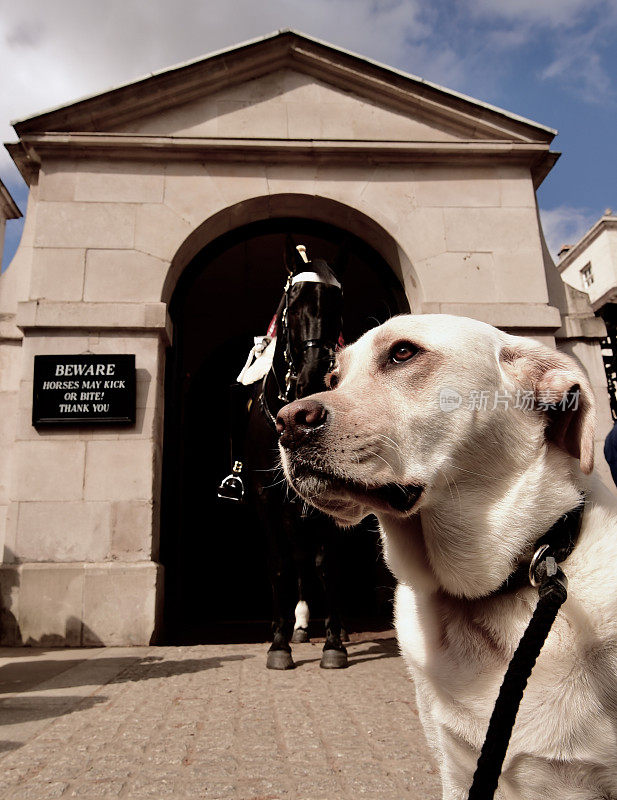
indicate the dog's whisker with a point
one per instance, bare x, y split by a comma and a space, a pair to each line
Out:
390, 443
472, 472
280, 482
460, 506
381, 458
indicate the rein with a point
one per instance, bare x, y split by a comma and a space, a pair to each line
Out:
544, 573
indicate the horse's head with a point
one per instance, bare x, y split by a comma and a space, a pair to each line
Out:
314, 320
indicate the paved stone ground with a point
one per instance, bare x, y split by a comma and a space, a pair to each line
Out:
210, 722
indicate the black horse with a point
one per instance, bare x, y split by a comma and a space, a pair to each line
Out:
308, 328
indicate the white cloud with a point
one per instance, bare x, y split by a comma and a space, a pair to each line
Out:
551, 13
57, 52
574, 39
80, 46
565, 225
578, 60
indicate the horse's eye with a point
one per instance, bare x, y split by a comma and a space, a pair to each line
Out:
332, 380
401, 352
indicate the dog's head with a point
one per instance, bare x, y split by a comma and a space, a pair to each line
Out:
424, 402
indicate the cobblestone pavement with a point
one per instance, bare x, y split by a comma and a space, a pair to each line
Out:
212, 722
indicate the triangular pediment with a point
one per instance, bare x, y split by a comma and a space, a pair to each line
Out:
288, 104
287, 86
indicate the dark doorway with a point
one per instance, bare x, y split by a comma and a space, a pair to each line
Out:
216, 585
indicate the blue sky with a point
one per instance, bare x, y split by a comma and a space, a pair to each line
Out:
554, 61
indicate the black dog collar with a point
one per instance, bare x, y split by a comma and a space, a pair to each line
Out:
559, 542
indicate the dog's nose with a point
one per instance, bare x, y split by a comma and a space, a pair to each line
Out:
298, 419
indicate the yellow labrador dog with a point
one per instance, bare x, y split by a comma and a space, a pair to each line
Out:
469, 444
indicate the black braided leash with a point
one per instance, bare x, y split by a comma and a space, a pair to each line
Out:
552, 585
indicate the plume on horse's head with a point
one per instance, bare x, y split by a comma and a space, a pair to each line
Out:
297, 260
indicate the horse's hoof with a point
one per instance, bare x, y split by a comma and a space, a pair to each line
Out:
279, 659
344, 635
333, 659
300, 635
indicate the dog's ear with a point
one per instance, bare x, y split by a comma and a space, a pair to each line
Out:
561, 392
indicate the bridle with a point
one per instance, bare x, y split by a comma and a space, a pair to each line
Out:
322, 343
329, 347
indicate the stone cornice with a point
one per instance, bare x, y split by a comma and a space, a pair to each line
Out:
576, 327
503, 315
153, 317
33, 149
111, 317
9, 332
8, 207
609, 296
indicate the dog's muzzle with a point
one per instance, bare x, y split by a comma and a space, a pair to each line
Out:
299, 420
299, 425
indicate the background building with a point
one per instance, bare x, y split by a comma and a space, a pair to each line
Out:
155, 228
590, 265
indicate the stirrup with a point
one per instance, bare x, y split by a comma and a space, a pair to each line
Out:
231, 487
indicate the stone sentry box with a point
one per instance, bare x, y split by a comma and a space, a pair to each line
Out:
88, 389
128, 186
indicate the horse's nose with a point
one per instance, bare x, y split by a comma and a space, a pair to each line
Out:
296, 420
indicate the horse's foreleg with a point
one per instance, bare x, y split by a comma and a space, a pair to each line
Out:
279, 654
334, 654
301, 633
303, 564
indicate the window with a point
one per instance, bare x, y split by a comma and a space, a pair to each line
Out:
587, 276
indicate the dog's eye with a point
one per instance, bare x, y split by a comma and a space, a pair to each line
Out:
401, 352
332, 380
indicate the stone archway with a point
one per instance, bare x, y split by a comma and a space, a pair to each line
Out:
216, 576
298, 206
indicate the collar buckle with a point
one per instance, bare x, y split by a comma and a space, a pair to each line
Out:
534, 578
544, 568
